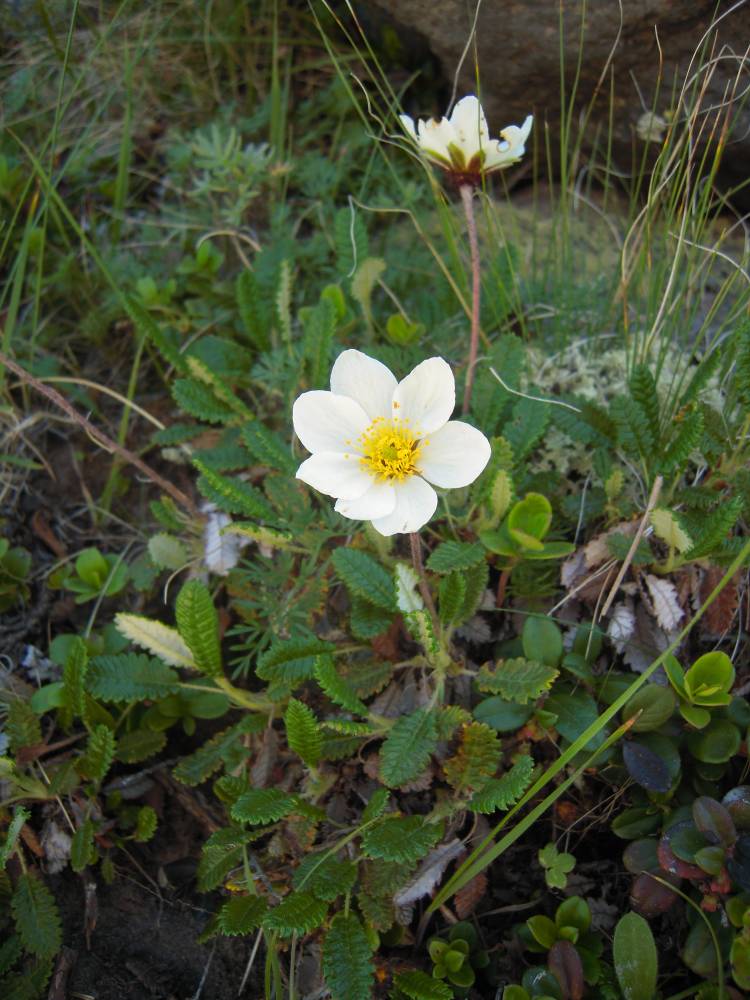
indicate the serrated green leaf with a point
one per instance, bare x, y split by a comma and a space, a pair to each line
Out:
407, 748
197, 399
348, 727
146, 823
451, 597
325, 876
336, 687
303, 733
36, 916
215, 865
365, 577
198, 624
377, 805
233, 495
347, 960
449, 718
667, 526
252, 309
476, 758
502, 793
10, 952
130, 677
290, 661
74, 677
263, 805
319, 326
22, 726
299, 913
517, 680
419, 986
242, 915
268, 448
100, 751
82, 846
367, 620
401, 838
205, 761
20, 816
451, 556
476, 585
140, 745
369, 677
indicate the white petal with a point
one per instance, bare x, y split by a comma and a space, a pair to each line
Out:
415, 504
454, 456
435, 137
426, 397
366, 381
511, 148
408, 124
324, 421
470, 125
379, 501
337, 475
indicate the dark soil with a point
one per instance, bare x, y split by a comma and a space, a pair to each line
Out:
144, 946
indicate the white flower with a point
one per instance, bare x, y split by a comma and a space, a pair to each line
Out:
461, 144
377, 444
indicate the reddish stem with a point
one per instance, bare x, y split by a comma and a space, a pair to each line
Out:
467, 198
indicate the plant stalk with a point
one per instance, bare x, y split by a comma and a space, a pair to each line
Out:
424, 589
467, 198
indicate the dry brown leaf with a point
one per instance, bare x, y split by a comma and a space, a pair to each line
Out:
720, 613
597, 551
466, 900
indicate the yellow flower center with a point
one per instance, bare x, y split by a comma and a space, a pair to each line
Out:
390, 449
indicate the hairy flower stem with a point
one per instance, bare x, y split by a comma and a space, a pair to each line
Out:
416, 558
467, 198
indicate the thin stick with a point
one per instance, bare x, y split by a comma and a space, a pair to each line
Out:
99, 436
634, 545
416, 558
467, 198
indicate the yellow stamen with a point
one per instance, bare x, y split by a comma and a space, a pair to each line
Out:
390, 449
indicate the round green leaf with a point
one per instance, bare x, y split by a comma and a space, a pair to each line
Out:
634, 952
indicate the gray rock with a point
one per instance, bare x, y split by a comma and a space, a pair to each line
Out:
518, 43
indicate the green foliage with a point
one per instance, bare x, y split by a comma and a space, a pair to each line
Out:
290, 661
502, 793
262, 805
407, 748
517, 680
299, 913
130, 677
200, 765
419, 986
303, 733
233, 495
100, 751
347, 959
36, 916
557, 866
364, 577
241, 915
20, 816
82, 851
198, 624
635, 956
476, 758
336, 687
22, 726
399, 838
145, 825
252, 309
451, 556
